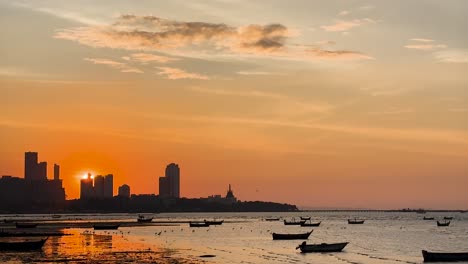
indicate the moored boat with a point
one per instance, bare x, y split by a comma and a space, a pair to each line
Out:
323, 247
294, 222
25, 225
444, 256
445, 223
143, 219
428, 218
277, 236
448, 217
214, 222
305, 218
199, 224
305, 224
22, 245
272, 219
106, 226
355, 222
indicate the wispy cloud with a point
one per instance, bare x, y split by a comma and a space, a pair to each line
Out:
345, 25
422, 40
253, 73
425, 46
123, 67
344, 13
338, 54
452, 56
245, 93
146, 58
176, 74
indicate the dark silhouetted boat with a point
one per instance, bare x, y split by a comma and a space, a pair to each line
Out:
355, 222
445, 223
214, 222
26, 225
22, 245
448, 218
305, 218
143, 219
444, 256
277, 236
324, 247
199, 224
272, 219
310, 224
56, 216
106, 226
428, 218
294, 222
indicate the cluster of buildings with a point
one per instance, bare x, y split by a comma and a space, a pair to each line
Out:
35, 187
97, 187
169, 185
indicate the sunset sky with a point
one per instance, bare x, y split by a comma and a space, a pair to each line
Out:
328, 104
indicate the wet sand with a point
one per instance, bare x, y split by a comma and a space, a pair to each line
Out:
86, 246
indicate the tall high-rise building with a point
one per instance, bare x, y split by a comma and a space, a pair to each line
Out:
86, 187
99, 186
41, 171
169, 186
56, 172
30, 166
108, 186
124, 191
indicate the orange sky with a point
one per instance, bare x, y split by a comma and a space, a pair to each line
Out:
348, 105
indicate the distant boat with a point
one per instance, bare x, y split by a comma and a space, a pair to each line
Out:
277, 236
272, 219
428, 218
305, 218
26, 225
448, 218
355, 222
143, 219
324, 247
22, 245
445, 223
294, 222
310, 224
444, 257
56, 216
106, 226
199, 224
214, 222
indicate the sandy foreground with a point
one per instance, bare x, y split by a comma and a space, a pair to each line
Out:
98, 247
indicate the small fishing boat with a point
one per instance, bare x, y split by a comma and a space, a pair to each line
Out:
445, 223
214, 222
355, 221
294, 222
428, 218
324, 247
306, 224
277, 236
106, 226
448, 218
26, 225
143, 219
272, 219
22, 245
444, 256
305, 218
199, 224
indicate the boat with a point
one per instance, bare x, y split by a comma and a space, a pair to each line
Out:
272, 219
323, 247
26, 225
444, 256
305, 218
448, 217
428, 218
199, 224
143, 219
106, 226
56, 216
22, 245
214, 222
294, 222
310, 224
277, 236
355, 222
445, 223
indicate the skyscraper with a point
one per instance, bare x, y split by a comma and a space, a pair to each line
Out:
124, 191
86, 187
41, 171
163, 187
56, 172
169, 186
99, 186
108, 186
30, 165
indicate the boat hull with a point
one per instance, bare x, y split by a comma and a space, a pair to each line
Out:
25, 225
355, 222
319, 248
145, 220
294, 222
443, 223
444, 257
311, 224
22, 246
291, 236
214, 222
202, 224
106, 227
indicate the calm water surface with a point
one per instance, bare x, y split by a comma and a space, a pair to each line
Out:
246, 238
